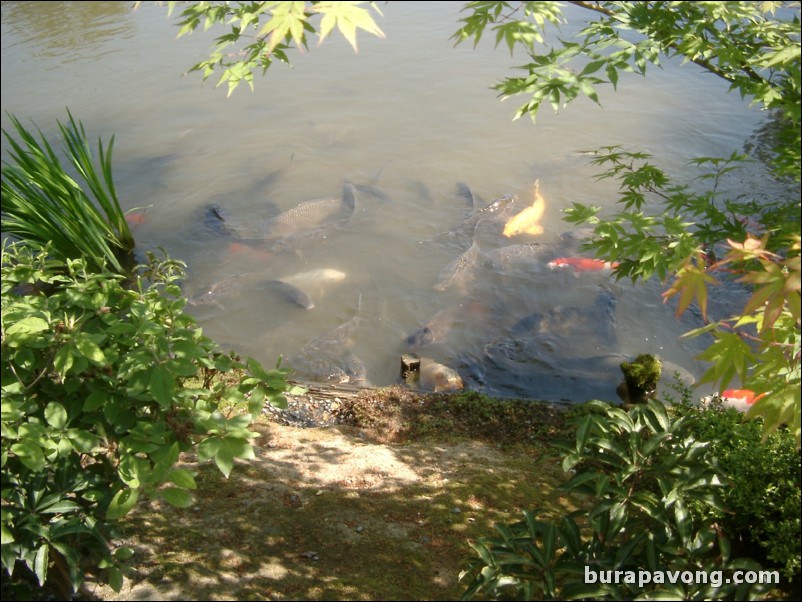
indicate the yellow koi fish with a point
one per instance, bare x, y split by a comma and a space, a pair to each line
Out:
528, 220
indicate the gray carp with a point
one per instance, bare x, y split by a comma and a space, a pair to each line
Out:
512, 255
215, 220
562, 323
460, 271
232, 285
292, 293
303, 238
211, 294
498, 210
375, 192
464, 191
434, 330
330, 368
340, 337
326, 370
311, 214
355, 369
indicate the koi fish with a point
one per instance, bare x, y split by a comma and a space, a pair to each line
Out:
238, 248
292, 293
741, 395
136, 218
740, 399
460, 271
439, 377
310, 214
528, 220
434, 330
582, 264
505, 258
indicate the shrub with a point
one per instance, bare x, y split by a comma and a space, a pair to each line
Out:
762, 499
96, 409
642, 472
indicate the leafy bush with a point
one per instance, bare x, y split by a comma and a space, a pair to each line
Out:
96, 408
757, 346
45, 205
643, 472
762, 500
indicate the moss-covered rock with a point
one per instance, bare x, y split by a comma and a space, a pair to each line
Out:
640, 378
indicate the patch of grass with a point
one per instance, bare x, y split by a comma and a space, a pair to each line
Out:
395, 414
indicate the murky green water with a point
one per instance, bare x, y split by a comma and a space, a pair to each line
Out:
410, 115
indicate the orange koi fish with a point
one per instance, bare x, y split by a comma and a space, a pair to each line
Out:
582, 264
237, 248
136, 218
741, 395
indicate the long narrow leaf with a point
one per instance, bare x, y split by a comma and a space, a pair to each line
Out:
44, 205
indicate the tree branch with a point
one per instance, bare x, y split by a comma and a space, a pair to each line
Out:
704, 63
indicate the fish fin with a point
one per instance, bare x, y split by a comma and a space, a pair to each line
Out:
465, 192
349, 196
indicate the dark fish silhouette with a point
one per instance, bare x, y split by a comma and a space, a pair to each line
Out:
293, 226
435, 329
215, 220
460, 271
292, 293
464, 192
211, 294
512, 255
339, 338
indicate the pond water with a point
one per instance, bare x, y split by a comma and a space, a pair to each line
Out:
405, 120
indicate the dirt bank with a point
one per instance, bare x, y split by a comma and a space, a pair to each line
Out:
382, 510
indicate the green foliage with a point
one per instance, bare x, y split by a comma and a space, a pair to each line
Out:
762, 497
271, 28
46, 206
97, 407
646, 476
680, 235
748, 44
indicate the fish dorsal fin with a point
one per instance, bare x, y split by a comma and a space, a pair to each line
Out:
349, 196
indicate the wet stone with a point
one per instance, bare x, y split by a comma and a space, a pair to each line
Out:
309, 410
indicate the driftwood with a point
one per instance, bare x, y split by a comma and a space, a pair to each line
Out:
329, 391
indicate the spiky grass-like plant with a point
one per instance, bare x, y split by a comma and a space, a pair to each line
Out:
42, 204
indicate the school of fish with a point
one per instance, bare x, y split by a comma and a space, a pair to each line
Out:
512, 337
